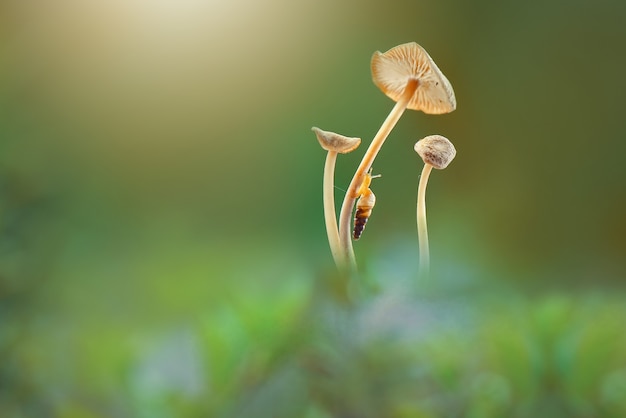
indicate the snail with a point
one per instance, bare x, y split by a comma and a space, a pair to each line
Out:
364, 205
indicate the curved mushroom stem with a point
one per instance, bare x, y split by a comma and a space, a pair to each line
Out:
364, 166
422, 229
330, 215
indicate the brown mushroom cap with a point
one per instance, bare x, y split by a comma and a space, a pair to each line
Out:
436, 150
393, 69
332, 141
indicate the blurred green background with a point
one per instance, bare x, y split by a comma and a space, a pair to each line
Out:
162, 245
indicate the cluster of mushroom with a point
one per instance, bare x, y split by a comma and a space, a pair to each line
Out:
409, 76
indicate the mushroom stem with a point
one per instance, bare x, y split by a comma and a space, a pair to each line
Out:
422, 229
330, 216
352, 192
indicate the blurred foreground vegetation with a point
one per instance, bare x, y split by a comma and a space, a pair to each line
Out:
273, 339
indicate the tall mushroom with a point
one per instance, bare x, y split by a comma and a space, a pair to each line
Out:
437, 152
409, 76
334, 144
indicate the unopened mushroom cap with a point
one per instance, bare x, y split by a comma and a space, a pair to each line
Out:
332, 141
392, 70
436, 150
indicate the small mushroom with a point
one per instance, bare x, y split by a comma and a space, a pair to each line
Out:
437, 152
409, 76
334, 144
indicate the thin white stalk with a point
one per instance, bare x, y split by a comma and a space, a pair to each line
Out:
330, 216
422, 229
352, 193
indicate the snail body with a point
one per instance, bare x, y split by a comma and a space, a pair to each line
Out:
364, 205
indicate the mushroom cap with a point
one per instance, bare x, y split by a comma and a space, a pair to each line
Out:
332, 141
436, 150
393, 69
